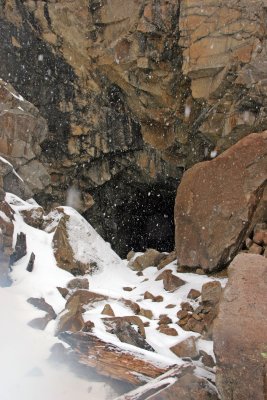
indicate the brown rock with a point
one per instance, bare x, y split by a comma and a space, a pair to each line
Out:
127, 288
63, 291
187, 306
211, 223
146, 313
164, 320
123, 329
182, 314
88, 326
167, 260
107, 310
255, 249
211, 292
71, 318
167, 330
206, 359
170, 281
78, 283
63, 251
193, 294
170, 306
186, 348
150, 258
240, 331
41, 304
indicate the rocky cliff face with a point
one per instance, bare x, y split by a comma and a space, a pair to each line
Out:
134, 92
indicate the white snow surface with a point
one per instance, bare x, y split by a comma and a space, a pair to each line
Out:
24, 368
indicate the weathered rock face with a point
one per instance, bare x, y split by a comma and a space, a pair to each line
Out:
113, 79
240, 331
22, 130
224, 48
216, 202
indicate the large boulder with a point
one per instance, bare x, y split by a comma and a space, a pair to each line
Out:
216, 202
240, 331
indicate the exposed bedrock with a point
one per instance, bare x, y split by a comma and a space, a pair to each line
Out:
129, 94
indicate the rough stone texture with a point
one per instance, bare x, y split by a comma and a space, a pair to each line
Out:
22, 132
150, 258
216, 202
134, 93
240, 331
186, 348
170, 282
6, 240
224, 48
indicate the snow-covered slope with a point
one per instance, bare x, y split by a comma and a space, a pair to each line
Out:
25, 370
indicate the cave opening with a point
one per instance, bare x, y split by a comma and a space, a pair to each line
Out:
135, 217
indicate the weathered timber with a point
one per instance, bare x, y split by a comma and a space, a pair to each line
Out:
179, 383
110, 360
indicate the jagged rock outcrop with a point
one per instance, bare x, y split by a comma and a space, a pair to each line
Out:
216, 204
22, 130
131, 98
240, 331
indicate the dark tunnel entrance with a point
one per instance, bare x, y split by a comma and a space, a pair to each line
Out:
135, 217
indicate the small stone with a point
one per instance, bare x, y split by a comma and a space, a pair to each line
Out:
197, 316
186, 348
63, 291
164, 320
88, 326
206, 359
31, 263
194, 325
170, 306
158, 299
130, 255
255, 249
127, 288
170, 281
182, 314
107, 310
211, 292
187, 306
200, 271
139, 273
148, 296
78, 283
167, 330
146, 313
193, 294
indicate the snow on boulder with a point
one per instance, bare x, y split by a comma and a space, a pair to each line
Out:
216, 204
77, 246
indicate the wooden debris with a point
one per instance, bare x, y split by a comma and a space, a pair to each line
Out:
110, 360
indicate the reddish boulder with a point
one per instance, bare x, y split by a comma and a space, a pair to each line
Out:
216, 201
240, 331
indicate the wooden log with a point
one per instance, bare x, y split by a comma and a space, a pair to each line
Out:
181, 382
110, 360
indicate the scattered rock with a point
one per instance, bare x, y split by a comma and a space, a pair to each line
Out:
207, 359
186, 348
164, 320
20, 248
193, 294
127, 288
107, 310
126, 333
150, 296
170, 306
182, 314
187, 306
167, 330
71, 318
170, 281
63, 291
167, 260
41, 304
211, 293
30, 264
78, 283
150, 258
130, 255
146, 313
88, 326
